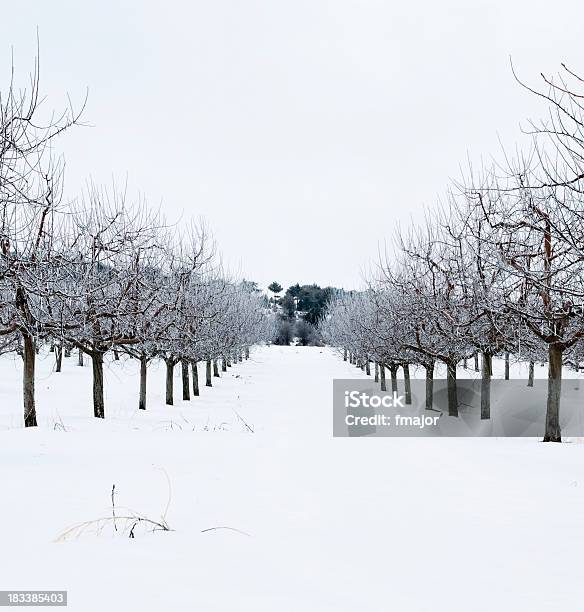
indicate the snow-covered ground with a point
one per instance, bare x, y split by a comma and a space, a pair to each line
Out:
317, 523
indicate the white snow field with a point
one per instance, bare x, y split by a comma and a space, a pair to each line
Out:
333, 524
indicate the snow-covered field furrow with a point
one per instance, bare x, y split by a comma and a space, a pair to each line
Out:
322, 524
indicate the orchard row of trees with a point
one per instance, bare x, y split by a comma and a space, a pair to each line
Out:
102, 273
497, 267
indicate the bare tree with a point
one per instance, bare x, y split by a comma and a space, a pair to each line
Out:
30, 198
108, 240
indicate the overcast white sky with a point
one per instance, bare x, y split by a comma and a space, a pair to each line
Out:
302, 131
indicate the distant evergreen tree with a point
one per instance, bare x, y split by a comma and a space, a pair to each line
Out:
301, 308
275, 287
312, 301
288, 305
294, 290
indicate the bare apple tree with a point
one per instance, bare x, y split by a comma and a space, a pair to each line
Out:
30, 210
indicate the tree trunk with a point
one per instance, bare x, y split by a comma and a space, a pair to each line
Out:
247, 352
507, 365
382, 376
429, 385
239, 356
80, 358
215, 368
476, 362
452, 394
116, 355
552, 417
58, 356
169, 381
465, 363
486, 385
67, 348
367, 366
345, 354
195, 372
208, 382
29, 355
185, 379
98, 403
407, 383
530, 375
228, 361
143, 373
224, 364
393, 369
376, 371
